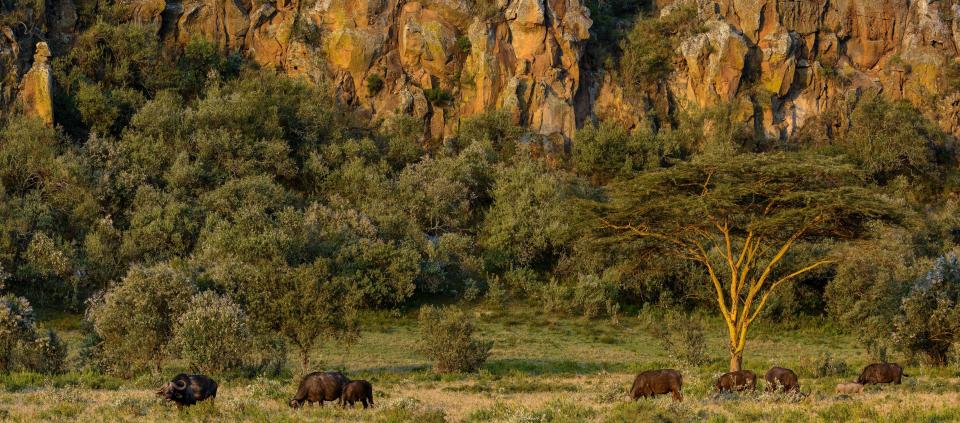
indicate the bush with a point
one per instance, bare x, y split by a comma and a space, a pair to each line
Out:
437, 96
374, 84
46, 354
929, 320
212, 335
824, 365
21, 347
134, 319
447, 339
890, 139
683, 338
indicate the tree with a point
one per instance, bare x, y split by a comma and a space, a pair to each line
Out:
929, 320
739, 218
212, 334
135, 319
447, 339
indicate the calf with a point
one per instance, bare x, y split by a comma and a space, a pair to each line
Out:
849, 388
737, 381
357, 391
783, 378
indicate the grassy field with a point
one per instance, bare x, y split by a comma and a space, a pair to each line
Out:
543, 369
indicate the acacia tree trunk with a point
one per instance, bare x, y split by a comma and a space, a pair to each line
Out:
736, 361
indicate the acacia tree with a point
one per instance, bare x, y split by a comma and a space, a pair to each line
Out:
740, 217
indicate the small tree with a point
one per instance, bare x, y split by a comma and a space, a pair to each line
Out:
929, 320
16, 328
212, 335
739, 217
447, 339
135, 318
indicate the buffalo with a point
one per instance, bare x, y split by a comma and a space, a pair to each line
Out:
785, 379
655, 382
882, 373
319, 387
737, 381
849, 388
357, 391
187, 389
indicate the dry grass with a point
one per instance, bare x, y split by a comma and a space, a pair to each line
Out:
543, 369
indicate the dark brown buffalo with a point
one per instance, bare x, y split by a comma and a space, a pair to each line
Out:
655, 382
187, 389
357, 391
737, 381
319, 387
785, 379
881, 373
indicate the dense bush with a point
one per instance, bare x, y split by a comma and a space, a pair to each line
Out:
447, 339
135, 319
929, 321
212, 334
871, 277
893, 138
683, 337
22, 347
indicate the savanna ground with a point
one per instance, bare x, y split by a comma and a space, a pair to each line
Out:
542, 369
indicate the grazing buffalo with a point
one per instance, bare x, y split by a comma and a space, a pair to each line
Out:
785, 379
187, 389
319, 387
655, 382
849, 388
737, 381
357, 391
881, 373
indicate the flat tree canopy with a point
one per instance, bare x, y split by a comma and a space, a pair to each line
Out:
739, 217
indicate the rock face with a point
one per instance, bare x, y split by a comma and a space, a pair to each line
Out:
439, 60
794, 60
36, 88
780, 63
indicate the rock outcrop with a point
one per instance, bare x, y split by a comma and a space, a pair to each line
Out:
36, 88
781, 63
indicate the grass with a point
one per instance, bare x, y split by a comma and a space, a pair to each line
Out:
543, 368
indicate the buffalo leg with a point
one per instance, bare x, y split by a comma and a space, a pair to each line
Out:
677, 396
365, 403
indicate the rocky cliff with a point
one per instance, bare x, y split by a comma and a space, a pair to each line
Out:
781, 63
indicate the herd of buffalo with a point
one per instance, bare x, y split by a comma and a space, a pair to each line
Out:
668, 381
319, 387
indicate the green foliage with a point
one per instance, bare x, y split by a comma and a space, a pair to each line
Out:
929, 321
374, 84
437, 96
824, 365
683, 337
890, 139
648, 48
463, 44
527, 224
135, 319
212, 333
871, 278
608, 151
447, 339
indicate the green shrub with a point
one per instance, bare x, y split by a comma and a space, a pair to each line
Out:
463, 44
437, 96
212, 334
824, 365
46, 354
374, 84
16, 328
447, 339
929, 320
683, 337
134, 319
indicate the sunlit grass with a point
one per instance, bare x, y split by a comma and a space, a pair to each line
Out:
542, 368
